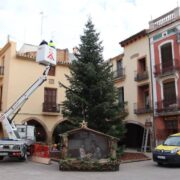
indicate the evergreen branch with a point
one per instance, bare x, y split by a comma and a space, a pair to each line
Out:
62, 85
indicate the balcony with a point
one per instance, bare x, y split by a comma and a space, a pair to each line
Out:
168, 107
119, 74
141, 76
169, 68
142, 108
51, 107
1, 71
164, 19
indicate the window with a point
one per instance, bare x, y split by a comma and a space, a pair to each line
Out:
2, 61
171, 126
119, 65
50, 95
119, 68
121, 97
143, 97
142, 65
146, 99
1, 90
166, 56
52, 71
169, 93
172, 141
21, 129
2, 65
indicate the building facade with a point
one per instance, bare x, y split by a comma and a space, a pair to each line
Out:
164, 35
132, 77
18, 71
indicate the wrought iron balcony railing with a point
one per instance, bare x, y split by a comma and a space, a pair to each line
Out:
140, 76
167, 68
51, 107
168, 106
119, 74
142, 108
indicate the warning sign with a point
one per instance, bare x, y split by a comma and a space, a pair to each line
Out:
50, 56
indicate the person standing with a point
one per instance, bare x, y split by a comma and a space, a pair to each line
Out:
51, 44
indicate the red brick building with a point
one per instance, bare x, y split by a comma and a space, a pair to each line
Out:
164, 34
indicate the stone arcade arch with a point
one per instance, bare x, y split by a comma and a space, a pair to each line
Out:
134, 135
41, 130
60, 127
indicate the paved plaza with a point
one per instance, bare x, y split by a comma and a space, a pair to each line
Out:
144, 170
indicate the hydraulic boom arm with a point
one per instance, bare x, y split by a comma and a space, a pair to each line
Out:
7, 117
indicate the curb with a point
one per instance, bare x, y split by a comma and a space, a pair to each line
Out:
135, 160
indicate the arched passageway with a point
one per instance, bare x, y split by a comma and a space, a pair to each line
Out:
61, 128
40, 133
134, 136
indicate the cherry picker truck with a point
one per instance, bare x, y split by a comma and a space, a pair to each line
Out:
21, 137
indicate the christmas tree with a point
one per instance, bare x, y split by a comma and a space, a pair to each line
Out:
91, 95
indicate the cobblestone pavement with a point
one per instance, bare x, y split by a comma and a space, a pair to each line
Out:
144, 170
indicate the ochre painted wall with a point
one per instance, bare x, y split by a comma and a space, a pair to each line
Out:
19, 75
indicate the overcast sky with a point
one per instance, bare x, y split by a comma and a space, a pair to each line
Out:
64, 20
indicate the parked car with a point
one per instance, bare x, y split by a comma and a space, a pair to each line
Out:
169, 151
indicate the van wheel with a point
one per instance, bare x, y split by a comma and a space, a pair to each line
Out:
1, 158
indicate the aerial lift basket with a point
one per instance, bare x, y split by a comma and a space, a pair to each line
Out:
46, 55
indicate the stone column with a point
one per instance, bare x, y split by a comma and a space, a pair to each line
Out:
49, 137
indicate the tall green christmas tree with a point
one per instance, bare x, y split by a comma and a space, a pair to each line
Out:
91, 95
